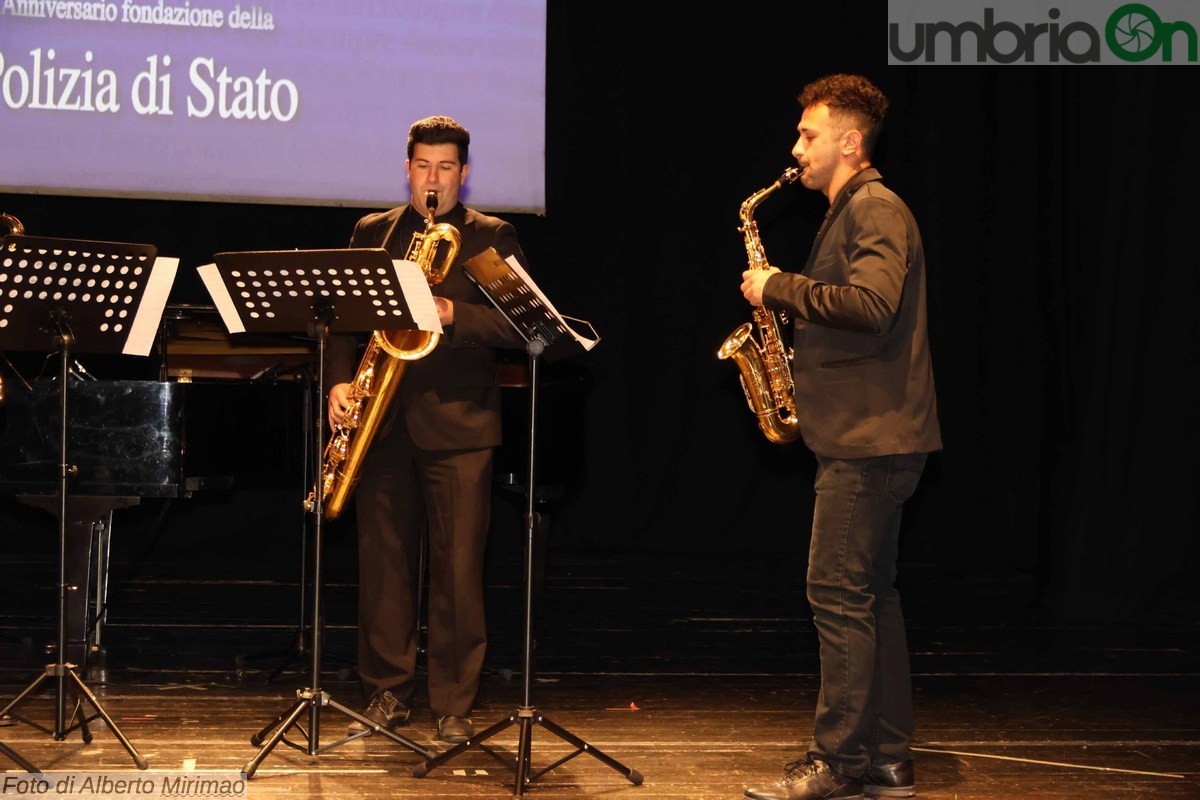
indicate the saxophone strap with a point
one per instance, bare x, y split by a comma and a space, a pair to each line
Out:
856, 182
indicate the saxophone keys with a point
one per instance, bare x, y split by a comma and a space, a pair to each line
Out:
352, 416
337, 449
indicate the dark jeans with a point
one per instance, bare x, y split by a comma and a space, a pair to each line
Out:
864, 709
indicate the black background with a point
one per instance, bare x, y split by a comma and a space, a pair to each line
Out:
1058, 211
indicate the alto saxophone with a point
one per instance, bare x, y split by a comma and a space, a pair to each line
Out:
380, 371
766, 364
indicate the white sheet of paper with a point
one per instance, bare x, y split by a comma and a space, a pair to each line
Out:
416, 293
144, 329
221, 299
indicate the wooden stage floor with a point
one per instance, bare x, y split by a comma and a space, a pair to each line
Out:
698, 672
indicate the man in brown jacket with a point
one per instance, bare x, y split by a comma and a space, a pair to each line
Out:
429, 470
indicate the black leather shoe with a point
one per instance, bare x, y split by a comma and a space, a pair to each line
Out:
455, 729
385, 710
811, 779
890, 780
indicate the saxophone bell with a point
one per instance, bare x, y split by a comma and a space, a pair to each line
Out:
15, 228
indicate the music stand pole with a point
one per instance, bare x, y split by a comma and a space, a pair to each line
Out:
504, 287
299, 652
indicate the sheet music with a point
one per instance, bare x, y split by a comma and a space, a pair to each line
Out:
221, 298
265, 291
415, 286
144, 330
586, 342
111, 295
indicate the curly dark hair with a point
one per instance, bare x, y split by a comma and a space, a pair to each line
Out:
853, 101
439, 130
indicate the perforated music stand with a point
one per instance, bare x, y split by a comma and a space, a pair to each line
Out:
318, 292
546, 334
79, 296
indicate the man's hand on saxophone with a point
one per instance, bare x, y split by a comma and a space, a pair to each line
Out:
339, 401
753, 281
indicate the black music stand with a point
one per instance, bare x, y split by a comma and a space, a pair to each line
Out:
546, 334
96, 297
318, 292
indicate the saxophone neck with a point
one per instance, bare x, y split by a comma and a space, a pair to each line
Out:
746, 212
750, 203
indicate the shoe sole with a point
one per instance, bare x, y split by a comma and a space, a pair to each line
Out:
888, 791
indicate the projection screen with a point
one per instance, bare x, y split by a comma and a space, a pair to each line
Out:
293, 101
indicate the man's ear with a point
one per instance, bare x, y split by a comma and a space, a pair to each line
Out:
852, 143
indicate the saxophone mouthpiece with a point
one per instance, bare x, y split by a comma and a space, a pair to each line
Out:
431, 201
789, 175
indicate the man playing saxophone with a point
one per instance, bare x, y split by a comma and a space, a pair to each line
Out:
866, 408
428, 472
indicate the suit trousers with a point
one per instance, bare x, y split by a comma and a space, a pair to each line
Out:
406, 493
864, 710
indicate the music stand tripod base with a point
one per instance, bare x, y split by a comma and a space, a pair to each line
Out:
17, 758
314, 701
526, 718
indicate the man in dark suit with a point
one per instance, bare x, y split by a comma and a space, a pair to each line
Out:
866, 407
428, 472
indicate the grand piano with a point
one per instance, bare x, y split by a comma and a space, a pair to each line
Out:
218, 410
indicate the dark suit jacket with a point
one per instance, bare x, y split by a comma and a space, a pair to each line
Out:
863, 372
450, 399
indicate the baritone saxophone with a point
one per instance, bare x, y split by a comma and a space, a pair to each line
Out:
765, 365
380, 372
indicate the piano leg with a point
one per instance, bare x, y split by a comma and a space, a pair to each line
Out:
89, 518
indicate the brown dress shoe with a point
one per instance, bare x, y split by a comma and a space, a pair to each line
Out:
385, 710
455, 729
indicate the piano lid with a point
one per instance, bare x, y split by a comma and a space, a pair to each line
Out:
125, 438
196, 346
